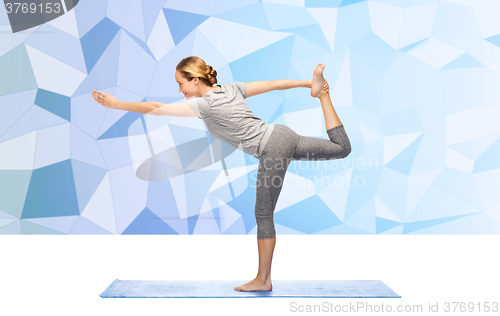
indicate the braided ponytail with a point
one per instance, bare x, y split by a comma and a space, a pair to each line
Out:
211, 75
194, 67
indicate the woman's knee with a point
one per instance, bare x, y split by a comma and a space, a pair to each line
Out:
265, 228
346, 151
266, 237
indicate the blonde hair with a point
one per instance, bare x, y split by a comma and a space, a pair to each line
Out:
193, 66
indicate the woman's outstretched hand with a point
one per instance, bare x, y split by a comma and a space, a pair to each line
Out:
105, 99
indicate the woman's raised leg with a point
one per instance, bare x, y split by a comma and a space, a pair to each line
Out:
331, 118
313, 148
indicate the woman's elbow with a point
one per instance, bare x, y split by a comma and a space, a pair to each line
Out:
154, 109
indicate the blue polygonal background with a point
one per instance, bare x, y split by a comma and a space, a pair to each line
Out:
415, 83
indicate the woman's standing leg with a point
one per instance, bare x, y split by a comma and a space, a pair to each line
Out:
273, 164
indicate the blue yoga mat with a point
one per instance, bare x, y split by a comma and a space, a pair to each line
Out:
225, 289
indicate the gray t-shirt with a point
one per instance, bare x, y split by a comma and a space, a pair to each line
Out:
226, 116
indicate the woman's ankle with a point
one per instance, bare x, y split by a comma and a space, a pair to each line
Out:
263, 278
323, 94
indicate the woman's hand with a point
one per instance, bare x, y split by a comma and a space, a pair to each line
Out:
326, 88
105, 99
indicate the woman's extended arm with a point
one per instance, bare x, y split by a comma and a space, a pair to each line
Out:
139, 107
149, 107
258, 87
109, 101
284, 84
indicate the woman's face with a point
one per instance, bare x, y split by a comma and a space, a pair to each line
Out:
188, 88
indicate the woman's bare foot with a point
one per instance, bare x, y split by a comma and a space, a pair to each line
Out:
318, 81
255, 285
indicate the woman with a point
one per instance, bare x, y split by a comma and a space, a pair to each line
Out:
227, 116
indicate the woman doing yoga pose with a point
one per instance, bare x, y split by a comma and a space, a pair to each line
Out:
227, 117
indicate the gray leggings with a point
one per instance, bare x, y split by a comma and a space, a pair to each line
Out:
283, 146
